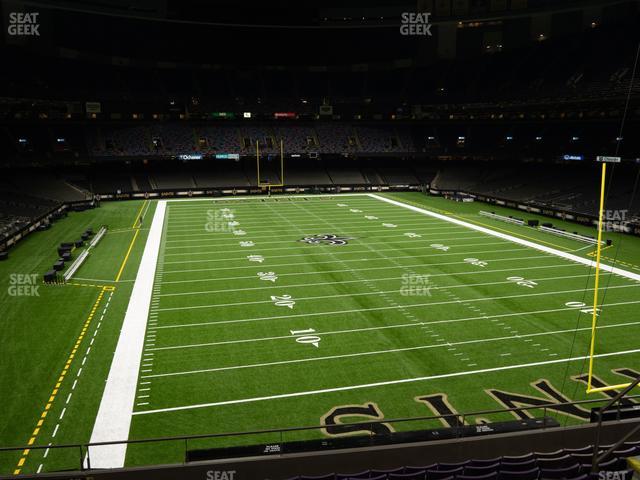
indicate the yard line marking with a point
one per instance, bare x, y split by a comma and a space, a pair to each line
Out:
272, 249
277, 265
377, 292
537, 246
227, 241
113, 420
383, 292
380, 352
422, 325
373, 309
322, 272
280, 242
380, 384
340, 282
348, 252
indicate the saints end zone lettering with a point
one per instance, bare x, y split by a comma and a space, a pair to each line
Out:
439, 405
552, 396
333, 426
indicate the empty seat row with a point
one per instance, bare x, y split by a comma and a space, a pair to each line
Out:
573, 464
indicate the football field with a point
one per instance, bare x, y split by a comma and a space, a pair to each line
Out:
244, 314
320, 302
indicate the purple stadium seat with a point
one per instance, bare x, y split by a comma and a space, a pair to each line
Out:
408, 476
486, 476
532, 474
556, 454
345, 476
445, 466
433, 466
483, 462
583, 457
377, 472
555, 463
518, 458
475, 471
614, 464
626, 452
519, 467
328, 476
588, 449
442, 474
566, 472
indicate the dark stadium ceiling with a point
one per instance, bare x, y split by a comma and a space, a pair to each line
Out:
282, 33
297, 12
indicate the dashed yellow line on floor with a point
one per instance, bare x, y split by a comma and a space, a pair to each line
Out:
58, 385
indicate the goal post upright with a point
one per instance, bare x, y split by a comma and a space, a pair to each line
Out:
594, 314
268, 184
258, 161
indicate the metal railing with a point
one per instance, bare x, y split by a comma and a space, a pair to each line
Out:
599, 458
83, 449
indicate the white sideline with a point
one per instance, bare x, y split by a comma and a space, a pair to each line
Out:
116, 407
553, 251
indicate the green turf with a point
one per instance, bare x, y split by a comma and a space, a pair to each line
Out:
220, 338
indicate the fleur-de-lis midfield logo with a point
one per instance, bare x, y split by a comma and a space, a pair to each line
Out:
326, 239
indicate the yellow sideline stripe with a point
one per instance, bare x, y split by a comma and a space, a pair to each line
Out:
593, 254
135, 222
126, 257
56, 388
136, 228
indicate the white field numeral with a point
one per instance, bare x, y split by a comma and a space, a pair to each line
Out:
283, 301
306, 337
581, 306
267, 276
439, 246
523, 282
476, 262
